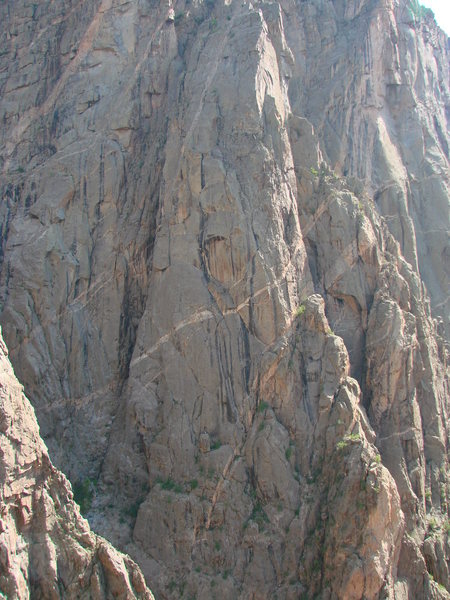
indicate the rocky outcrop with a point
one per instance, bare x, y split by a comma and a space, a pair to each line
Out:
46, 548
378, 97
224, 235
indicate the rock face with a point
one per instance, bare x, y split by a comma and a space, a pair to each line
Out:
47, 549
224, 271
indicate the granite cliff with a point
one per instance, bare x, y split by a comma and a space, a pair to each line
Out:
223, 284
46, 547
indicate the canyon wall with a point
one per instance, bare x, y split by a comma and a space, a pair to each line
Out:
46, 547
223, 284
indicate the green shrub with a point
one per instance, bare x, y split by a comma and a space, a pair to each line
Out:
317, 566
443, 494
341, 445
300, 310
348, 439
179, 17
166, 484
170, 485
83, 493
259, 514
132, 510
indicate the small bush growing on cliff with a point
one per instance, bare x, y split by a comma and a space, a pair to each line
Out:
433, 524
300, 310
216, 445
348, 439
132, 510
179, 17
83, 492
170, 485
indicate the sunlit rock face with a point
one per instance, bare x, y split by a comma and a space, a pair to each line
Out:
47, 549
223, 284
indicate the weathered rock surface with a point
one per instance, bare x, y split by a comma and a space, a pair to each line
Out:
224, 248
46, 548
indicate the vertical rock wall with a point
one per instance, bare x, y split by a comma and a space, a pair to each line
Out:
223, 227
47, 549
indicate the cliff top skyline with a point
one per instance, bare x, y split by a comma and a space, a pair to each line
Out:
441, 9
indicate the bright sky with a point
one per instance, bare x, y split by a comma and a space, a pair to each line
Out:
441, 9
